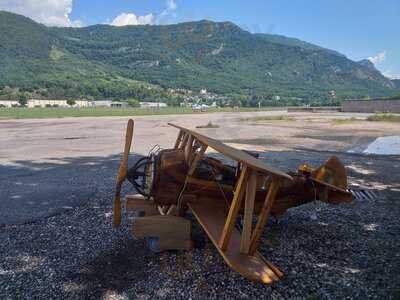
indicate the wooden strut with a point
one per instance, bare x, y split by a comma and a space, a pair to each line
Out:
184, 141
192, 166
189, 148
248, 212
196, 159
179, 139
234, 209
264, 214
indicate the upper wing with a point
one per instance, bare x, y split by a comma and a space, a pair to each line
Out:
235, 154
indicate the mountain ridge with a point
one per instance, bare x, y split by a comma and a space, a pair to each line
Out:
104, 61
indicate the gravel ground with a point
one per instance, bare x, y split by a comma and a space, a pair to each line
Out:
349, 251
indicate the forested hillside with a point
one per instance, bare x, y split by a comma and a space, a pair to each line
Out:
396, 82
142, 62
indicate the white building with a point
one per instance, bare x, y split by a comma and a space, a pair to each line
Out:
277, 98
109, 103
101, 103
119, 104
200, 107
55, 103
153, 105
8, 103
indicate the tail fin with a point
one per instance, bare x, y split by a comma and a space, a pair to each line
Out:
332, 172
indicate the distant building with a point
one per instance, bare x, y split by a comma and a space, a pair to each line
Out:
200, 107
371, 106
101, 103
8, 103
32, 103
55, 103
332, 94
119, 104
153, 105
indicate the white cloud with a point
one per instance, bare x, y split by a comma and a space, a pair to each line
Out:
381, 56
391, 75
48, 12
131, 19
169, 10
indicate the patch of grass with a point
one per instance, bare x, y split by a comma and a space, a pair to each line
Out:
268, 118
384, 118
208, 125
396, 294
56, 54
344, 121
37, 113
312, 296
53, 112
272, 242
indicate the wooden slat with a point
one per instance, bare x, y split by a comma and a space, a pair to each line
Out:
331, 193
212, 219
197, 158
264, 213
208, 183
178, 139
236, 154
189, 148
163, 227
234, 209
269, 264
248, 212
139, 203
184, 140
329, 186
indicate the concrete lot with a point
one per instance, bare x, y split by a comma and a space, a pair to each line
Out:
47, 166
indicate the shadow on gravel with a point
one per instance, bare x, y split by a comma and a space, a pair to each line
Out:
34, 190
111, 271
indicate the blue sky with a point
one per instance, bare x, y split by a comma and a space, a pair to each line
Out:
357, 28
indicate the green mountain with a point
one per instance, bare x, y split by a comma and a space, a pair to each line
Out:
104, 61
283, 40
367, 63
396, 82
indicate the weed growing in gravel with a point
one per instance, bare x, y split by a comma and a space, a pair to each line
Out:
384, 118
268, 118
202, 284
177, 270
208, 125
163, 263
344, 121
312, 296
272, 241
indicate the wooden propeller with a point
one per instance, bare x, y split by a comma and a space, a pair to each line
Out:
123, 169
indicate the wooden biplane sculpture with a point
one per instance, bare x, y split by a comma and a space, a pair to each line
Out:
171, 182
